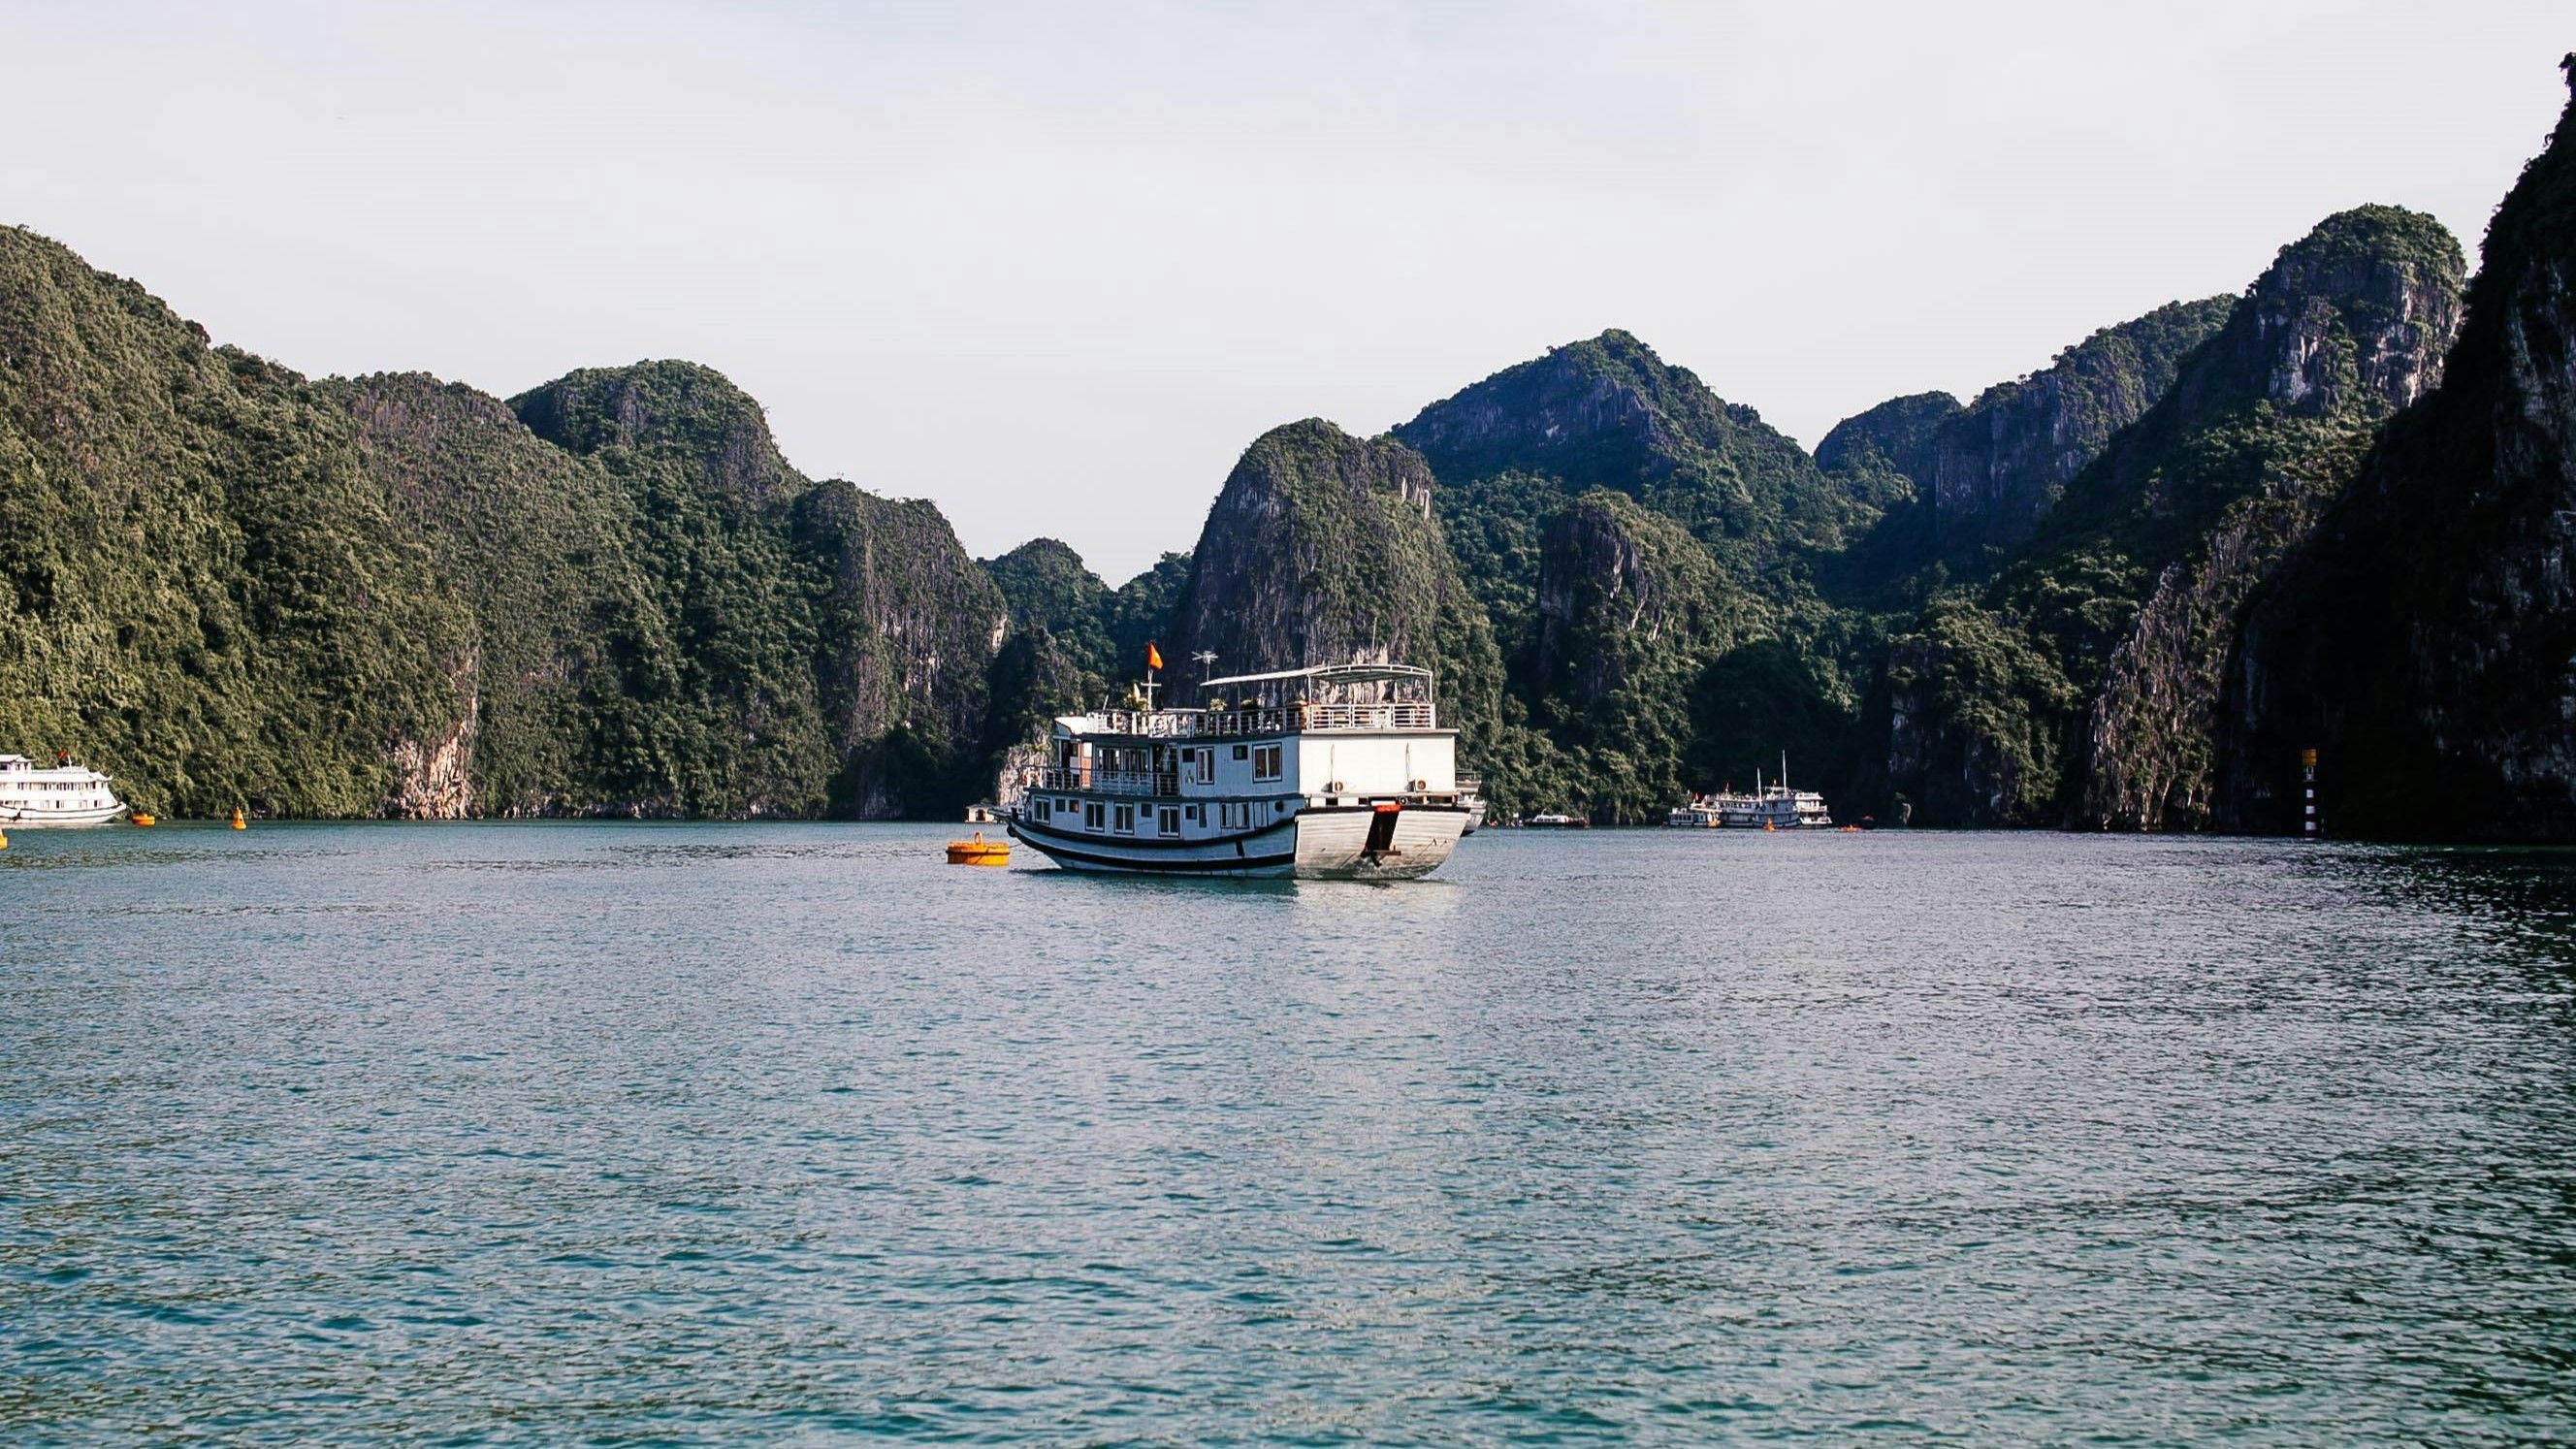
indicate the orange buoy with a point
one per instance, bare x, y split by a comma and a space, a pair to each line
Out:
979, 851
238, 822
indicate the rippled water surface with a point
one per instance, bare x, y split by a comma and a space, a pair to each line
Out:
700, 1132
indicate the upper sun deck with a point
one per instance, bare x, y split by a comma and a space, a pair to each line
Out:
1325, 698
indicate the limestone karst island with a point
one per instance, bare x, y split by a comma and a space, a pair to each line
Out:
1324, 724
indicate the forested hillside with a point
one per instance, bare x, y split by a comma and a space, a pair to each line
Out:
2078, 685
230, 585
2422, 637
2119, 592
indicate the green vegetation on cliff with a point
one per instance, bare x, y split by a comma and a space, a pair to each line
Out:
2423, 635
229, 585
1608, 413
1633, 612
2066, 601
1991, 699
1322, 548
207, 595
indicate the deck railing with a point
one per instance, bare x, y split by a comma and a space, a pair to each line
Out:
1111, 782
1271, 720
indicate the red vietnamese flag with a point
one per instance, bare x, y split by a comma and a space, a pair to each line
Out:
1153, 656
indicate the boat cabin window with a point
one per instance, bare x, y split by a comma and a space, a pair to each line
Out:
1091, 815
1192, 812
1126, 820
1242, 751
1167, 820
1045, 809
1265, 762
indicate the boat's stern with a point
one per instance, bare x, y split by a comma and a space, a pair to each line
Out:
1383, 841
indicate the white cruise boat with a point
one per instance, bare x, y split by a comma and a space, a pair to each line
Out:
1338, 772
67, 794
1769, 807
1775, 807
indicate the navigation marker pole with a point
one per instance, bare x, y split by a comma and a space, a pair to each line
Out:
2308, 772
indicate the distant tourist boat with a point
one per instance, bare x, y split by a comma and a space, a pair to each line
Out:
1550, 820
1339, 771
67, 794
1471, 796
1769, 807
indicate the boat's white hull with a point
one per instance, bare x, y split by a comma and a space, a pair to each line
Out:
1314, 844
14, 817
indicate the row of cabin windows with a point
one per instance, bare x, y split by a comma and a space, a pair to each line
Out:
1230, 815
1266, 761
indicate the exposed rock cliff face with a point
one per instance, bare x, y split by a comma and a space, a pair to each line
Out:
2150, 750
907, 625
2126, 595
1322, 549
1999, 466
2348, 327
2424, 638
1633, 614
841, 639
434, 780
1624, 593
568, 630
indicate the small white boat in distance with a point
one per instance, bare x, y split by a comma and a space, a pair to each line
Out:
32, 797
1337, 772
1770, 807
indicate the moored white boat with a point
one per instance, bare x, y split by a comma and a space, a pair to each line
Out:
1769, 807
34, 797
1333, 772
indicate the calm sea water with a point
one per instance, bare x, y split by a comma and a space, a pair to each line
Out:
697, 1132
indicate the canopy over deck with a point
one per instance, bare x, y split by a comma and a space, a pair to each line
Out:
1327, 674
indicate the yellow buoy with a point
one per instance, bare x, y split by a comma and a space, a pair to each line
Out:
143, 818
4, 840
238, 822
979, 851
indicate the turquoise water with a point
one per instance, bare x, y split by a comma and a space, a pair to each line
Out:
621, 1133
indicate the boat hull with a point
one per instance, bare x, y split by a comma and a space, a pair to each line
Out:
1323, 843
13, 817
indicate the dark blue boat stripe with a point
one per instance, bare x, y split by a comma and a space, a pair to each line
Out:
1247, 862
1157, 843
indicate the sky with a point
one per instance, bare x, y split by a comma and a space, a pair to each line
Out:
1053, 266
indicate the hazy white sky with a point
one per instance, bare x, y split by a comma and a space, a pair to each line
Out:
1054, 265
